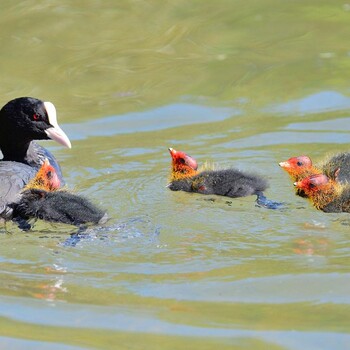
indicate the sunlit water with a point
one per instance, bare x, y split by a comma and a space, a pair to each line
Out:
240, 84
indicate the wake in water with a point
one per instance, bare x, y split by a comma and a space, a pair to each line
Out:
137, 227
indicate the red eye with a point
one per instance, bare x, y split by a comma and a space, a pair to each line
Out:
35, 117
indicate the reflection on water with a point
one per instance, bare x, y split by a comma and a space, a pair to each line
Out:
17, 344
51, 291
321, 102
342, 124
288, 137
243, 84
291, 289
166, 117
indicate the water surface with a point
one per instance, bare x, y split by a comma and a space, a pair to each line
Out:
243, 84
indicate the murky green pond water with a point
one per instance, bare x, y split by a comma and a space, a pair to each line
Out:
237, 83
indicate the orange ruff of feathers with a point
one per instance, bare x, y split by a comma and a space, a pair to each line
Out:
45, 179
326, 194
182, 166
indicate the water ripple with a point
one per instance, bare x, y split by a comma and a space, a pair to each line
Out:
132, 320
321, 102
170, 116
319, 288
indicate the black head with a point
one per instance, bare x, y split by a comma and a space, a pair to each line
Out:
25, 119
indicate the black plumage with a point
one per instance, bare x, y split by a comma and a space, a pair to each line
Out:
228, 182
340, 203
338, 167
57, 206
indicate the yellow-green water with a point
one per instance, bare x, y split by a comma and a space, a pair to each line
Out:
237, 83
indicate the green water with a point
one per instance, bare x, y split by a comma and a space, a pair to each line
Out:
236, 83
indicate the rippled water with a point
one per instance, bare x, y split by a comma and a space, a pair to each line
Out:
243, 84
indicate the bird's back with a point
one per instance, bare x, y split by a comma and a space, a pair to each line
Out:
13, 178
232, 183
227, 182
338, 167
58, 206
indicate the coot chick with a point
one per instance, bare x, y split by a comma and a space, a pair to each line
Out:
58, 206
326, 194
298, 168
227, 182
336, 167
23, 120
42, 199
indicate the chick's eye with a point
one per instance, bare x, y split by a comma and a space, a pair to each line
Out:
49, 175
299, 163
311, 185
36, 117
182, 161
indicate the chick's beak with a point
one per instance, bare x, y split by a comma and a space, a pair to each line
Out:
284, 165
172, 152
